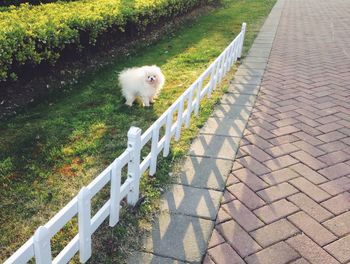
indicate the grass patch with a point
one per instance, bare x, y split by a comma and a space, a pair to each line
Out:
50, 151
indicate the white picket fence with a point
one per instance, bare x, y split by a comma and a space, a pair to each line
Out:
39, 245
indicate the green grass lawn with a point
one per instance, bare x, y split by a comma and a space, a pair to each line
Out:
50, 151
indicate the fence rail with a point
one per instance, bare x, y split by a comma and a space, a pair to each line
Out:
39, 245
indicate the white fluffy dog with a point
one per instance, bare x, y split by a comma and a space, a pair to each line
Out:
145, 82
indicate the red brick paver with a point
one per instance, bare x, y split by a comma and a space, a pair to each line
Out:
289, 200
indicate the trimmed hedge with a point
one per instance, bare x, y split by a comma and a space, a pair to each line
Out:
30, 35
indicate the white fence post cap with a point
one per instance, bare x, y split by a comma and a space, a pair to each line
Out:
134, 131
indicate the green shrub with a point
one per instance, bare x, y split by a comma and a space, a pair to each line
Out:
30, 35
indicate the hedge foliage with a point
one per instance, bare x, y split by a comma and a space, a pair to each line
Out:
30, 35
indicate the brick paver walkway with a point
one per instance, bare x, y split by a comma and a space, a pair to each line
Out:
287, 199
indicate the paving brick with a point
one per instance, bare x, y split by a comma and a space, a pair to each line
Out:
215, 239
339, 225
280, 162
329, 127
223, 253
206, 260
310, 207
308, 160
308, 129
255, 166
258, 141
327, 119
310, 250
261, 132
275, 211
222, 216
336, 171
242, 215
246, 196
250, 179
312, 228
334, 157
331, 136
285, 130
236, 166
275, 232
308, 121
308, 173
231, 179
277, 192
310, 189
333, 146
239, 239
281, 150
336, 186
256, 153
279, 253
285, 122
300, 261
277, 141
287, 114
338, 204
279, 176
308, 138
340, 249
227, 197
313, 151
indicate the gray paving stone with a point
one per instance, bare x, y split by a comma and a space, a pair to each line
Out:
148, 258
249, 72
241, 112
263, 40
182, 199
214, 146
204, 173
238, 99
254, 65
259, 53
244, 88
250, 59
247, 79
224, 126
179, 236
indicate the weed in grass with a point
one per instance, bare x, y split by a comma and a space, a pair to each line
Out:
49, 152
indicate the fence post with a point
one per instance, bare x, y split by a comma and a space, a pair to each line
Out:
169, 124
179, 118
154, 149
42, 246
234, 54
198, 96
244, 25
134, 143
212, 81
115, 193
189, 107
84, 218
